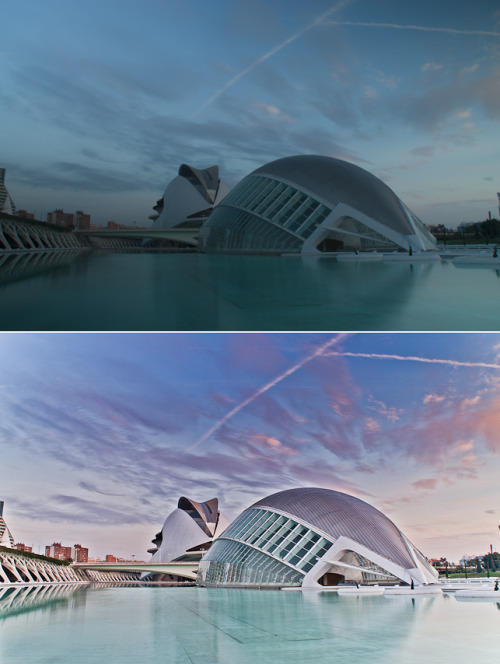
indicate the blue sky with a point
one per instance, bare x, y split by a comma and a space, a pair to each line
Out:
100, 434
102, 101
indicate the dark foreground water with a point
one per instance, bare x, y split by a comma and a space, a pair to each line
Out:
211, 626
160, 291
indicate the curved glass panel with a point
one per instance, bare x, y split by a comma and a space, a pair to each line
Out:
291, 546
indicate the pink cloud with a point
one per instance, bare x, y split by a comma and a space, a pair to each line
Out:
433, 398
272, 443
392, 414
466, 403
427, 484
372, 425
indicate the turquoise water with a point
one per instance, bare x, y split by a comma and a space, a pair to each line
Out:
159, 291
210, 626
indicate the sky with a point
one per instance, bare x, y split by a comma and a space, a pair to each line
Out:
101, 101
101, 434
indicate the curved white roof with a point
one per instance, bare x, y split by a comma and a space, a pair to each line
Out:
310, 204
337, 181
193, 191
192, 524
339, 514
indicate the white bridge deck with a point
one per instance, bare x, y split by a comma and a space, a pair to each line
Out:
186, 569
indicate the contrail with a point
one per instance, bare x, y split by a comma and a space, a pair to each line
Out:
397, 26
317, 21
319, 351
413, 358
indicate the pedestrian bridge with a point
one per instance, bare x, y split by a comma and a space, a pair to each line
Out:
188, 570
187, 236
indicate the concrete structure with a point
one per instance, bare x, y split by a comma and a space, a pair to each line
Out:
6, 202
189, 198
188, 531
313, 537
6, 538
17, 568
312, 204
17, 235
104, 572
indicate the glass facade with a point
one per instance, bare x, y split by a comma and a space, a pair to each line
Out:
261, 548
360, 236
263, 215
265, 548
278, 207
324, 535
379, 573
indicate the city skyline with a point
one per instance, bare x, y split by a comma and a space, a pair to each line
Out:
102, 433
103, 101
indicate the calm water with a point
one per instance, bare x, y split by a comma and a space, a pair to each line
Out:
158, 291
210, 626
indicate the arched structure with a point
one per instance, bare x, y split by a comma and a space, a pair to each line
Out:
309, 537
18, 568
189, 198
311, 204
18, 235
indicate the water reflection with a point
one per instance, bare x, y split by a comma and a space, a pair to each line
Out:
129, 625
15, 600
14, 267
131, 290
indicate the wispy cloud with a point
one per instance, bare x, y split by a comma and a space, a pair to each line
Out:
317, 21
423, 28
317, 353
413, 358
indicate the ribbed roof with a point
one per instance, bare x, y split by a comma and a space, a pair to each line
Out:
338, 181
339, 514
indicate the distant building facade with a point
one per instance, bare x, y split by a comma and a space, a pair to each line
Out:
77, 553
22, 547
24, 214
82, 220
61, 218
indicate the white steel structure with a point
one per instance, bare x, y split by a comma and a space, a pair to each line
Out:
18, 235
311, 204
6, 202
189, 197
311, 537
17, 568
192, 526
6, 538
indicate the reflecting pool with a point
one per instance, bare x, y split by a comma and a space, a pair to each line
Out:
213, 626
181, 292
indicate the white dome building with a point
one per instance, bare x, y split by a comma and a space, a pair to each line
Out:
189, 198
311, 204
311, 537
188, 531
